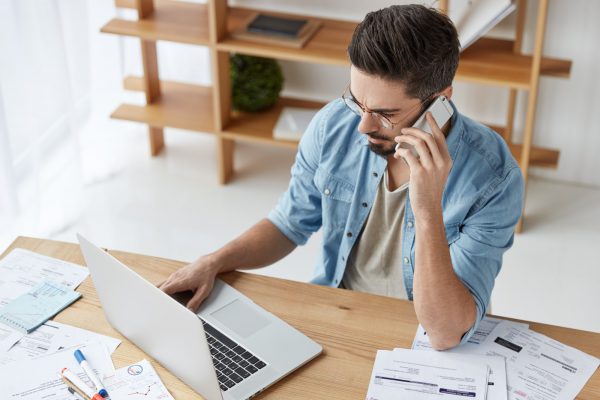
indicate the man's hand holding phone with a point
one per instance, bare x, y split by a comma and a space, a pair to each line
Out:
429, 168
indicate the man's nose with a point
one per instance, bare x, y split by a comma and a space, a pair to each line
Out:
368, 123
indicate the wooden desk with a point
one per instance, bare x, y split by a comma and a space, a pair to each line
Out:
350, 326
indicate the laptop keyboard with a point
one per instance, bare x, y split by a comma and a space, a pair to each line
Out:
232, 362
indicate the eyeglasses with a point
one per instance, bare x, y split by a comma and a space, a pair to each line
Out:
383, 120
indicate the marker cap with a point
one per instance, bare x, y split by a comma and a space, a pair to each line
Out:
79, 356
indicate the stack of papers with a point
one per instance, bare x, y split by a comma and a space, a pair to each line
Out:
537, 366
33, 350
20, 272
518, 363
39, 378
53, 337
421, 375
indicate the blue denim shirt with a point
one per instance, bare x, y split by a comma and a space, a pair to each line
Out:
335, 178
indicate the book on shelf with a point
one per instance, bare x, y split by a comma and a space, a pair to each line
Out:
292, 123
271, 29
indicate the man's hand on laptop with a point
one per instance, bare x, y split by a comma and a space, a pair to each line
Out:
199, 277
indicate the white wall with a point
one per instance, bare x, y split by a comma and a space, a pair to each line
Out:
568, 115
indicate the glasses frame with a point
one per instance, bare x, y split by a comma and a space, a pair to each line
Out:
381, 119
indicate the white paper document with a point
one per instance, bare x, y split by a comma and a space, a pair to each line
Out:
70, 336
52, 337
39, 378
21, 270
497, 367
421, 375
293, 122
474, 18
538, 367
8, 337
487, 324
135, 381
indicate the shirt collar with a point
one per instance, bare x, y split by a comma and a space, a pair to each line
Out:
456, 132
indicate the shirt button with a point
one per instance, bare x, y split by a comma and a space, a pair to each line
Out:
375, 174
406, 260
410, 224
327, 192
336, 281
364, 205
343, 258
349, 234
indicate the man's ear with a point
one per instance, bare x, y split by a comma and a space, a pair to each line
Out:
447, 92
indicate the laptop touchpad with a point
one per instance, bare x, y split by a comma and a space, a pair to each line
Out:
240, 318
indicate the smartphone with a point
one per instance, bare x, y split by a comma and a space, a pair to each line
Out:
441, 110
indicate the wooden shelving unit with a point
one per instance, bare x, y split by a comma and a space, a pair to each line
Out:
255, 127
173, 21
180, 105
489, 61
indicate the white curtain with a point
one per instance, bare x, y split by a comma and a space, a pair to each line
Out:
44, 100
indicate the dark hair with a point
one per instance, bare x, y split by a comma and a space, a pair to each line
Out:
412, 44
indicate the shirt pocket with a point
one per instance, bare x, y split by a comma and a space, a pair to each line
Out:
336, 198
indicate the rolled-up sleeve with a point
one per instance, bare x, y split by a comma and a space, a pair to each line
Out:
298, 212
484, 237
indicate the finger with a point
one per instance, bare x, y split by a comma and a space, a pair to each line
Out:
409, 158
438, 135
420, 146
174, 286
198, 298
431, 141
158, 285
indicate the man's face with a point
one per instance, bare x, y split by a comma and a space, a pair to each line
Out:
388, 99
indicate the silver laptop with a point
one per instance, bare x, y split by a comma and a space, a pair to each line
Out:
231, 349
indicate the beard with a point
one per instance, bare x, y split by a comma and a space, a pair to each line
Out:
384, 149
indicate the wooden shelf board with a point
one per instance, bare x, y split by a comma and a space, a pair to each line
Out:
126, 4
555, 67
172, 20
327, 46
258, 127
539, 156
181, 105
488, 60
492, 61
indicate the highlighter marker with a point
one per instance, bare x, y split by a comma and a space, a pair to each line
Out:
90, 373
79, 384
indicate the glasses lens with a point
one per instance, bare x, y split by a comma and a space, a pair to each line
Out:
383, 121
356, 109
